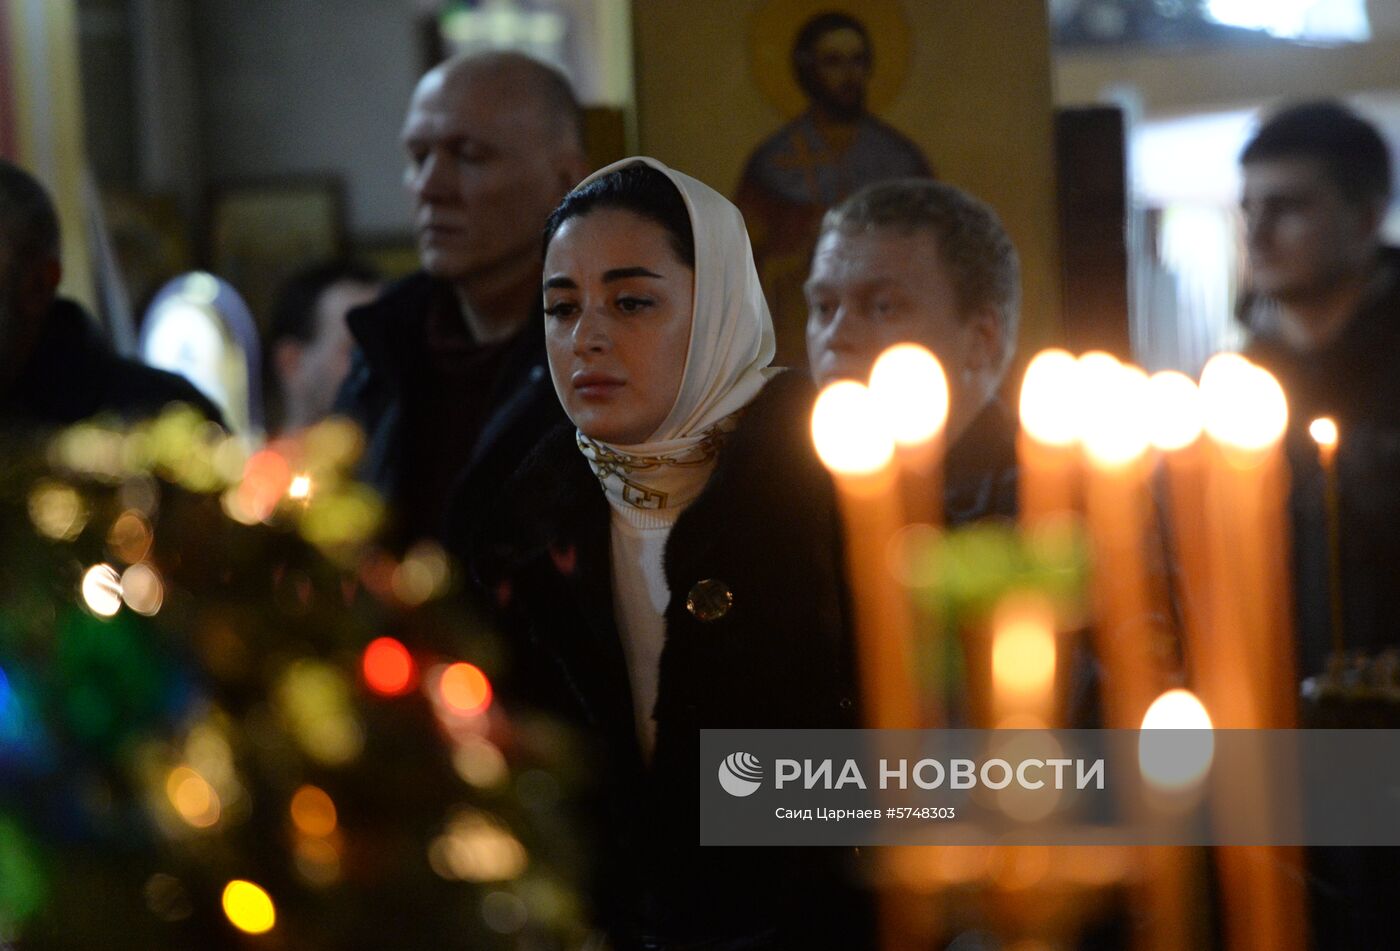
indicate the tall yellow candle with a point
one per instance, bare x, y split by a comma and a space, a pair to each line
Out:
1324, 432
1048, 444
858, 449
1118, 513
1245, 663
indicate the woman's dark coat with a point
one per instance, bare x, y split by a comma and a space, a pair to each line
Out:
766, 530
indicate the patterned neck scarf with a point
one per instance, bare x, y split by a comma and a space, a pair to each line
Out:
659, 477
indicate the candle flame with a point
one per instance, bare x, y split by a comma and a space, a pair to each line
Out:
1114, 403
850, 435
1174, 413
911, 389
1050, 397
1176, 762
1023, 647
1244, 406
1324, 432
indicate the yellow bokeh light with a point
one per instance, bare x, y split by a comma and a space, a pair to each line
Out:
1115, 402
1176, 760
1244, 406
193, 798
1023, 646
142, 589
1050, 398
1324, 432
248, 907
480, 762
478, 848
911, 391
313, 812
423, 575
1174, 416
57, 511
848, 431
102, 590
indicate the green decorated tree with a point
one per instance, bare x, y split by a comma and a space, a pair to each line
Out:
230, 718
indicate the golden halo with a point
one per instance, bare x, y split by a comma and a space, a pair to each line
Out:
773, 28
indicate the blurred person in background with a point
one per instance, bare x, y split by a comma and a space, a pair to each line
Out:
55, 367
309, 344
449, 377
1323, 311
915, 260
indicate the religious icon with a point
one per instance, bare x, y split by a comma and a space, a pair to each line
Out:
830, 149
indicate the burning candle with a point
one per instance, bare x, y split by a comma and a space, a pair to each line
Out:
1324, 432
910, 389
1048, 441
1244, 665
1119, 514
856, 445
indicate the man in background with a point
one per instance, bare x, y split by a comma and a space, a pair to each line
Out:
309, 345
449, 379
1324, 316
55, 367
921, 261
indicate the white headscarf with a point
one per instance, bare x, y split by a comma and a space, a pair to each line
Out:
726, 364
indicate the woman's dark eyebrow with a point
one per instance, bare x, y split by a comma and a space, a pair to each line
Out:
617, 274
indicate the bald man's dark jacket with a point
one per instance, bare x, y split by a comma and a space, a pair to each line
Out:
390, 334
74, 374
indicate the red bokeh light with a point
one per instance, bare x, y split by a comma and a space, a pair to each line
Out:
464, 689
388, 667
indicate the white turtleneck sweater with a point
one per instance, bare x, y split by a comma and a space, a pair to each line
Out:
640, 597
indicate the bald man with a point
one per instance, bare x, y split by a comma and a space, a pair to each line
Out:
55, 366
449, 379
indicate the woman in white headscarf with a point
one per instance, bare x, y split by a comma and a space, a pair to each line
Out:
674, 559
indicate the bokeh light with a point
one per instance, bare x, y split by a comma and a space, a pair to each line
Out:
477, 847
313, 812
130, 537
266, 479
464, 689
388, 667
249, 908
1050, 402
851, 435
1174, 417
1176, 760
102, 590
142, 589
314, 700
479, 762
194, 799
911, 390
1244, 406
57, 511
423, 575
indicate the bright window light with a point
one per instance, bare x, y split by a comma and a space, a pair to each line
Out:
1326, 20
